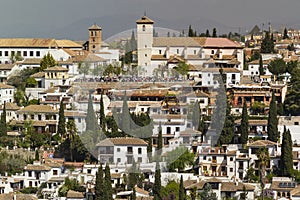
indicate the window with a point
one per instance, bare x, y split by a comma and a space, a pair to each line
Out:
79, 120
208, 82
204, 158
118, 160
177, 129
177, 51
168, 130
144, 28
212, 51
296, 123
146, 55
159, 51
24, 53
94, 46
6, 53
231, 169
55, 172
40, 117
38, 53
139, 150
195, 52
31, 53
29, 173
118, 149
89, 171
231, 158
0, 53
140, 159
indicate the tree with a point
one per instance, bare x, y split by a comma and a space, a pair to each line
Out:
149, 149
31, 82
84, 68
214, 33
3, 125
191, 31
267, 45
277, 66
181, 189
61, 130
291, 65
286, 158
291, 47
193, 193
37, 156
47, 62
207, 33
263, 161
159, 140
261, 66
285, 34
292, 100
107, 195
208, 193
71, 132
91, 120
157, 183
179, 159
244, 195
196, 115
133, 196
102, 115
135, 177
244, 125
170, 191
272, 127
182, 68
99, 186
125, 116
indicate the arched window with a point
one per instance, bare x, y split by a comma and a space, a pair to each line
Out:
144, 27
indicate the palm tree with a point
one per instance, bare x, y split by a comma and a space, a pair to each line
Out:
263, 160
71, 131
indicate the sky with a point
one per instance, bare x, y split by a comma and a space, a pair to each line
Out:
71, 18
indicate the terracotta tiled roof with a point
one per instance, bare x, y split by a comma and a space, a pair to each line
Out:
122, 141
32, 61
175, 42
188, 183
31, 167
67, 44
38, 109
144, 20
38, 75
158, 57
10, 196
253, 122
141, 191
10, 106
225, 70
70, 113
55, 69
230, 187
4, 86
74, 194
262, 143
95, 26
221, 43
27, 42
6, 66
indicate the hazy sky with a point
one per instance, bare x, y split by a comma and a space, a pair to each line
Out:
34, 17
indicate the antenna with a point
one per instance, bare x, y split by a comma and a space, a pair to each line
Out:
145, 13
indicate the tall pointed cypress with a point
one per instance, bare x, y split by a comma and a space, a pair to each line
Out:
244, 124
273, 121
181, 189
261, 66
3, 126
99, 187
102, 114
108, 191
286, 158
91, 120
159, 140
157, 183
125, 116
196, 115
61, 120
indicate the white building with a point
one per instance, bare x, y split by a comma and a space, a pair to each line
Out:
122, 150
6, 93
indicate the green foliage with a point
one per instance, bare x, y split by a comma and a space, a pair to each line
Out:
244, 125
263, 160
255, 56
135, 177
261, 66
181, 190
47, 62
291, 47
29, 190
91, 120
182, 68
11, 163
3, 125
207, 193
286, 158
31, 82
70, 184
157, 190
159, 140
272, 127
291, 65
179, 159
250, 175
61, 130
108, 192
196, 115
285, 34
267, 45
258, 108
277, 66
171, 190
99, 187
84, 68
37, 156
214, 33
292, 100
102, 115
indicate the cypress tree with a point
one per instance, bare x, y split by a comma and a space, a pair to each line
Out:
61, 120
159, 140
133, 196
272, 120
261, 66
149, 148
91, 120
157, 183
196, 115
286, 158
181, 189
244, 124
99, 187
102, 115
190, 32
214, 33
125, 116
107, 194
207, 33
285, 34
37, 156
3, 126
